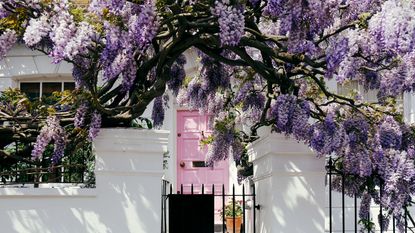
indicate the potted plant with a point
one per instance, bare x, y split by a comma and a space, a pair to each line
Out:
126, 54
233, 214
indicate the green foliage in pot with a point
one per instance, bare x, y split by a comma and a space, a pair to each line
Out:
231, 211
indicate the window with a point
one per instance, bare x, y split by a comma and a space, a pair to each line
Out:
346, 89
36, 90
368, 95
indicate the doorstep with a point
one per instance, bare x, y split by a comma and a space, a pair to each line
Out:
218, 228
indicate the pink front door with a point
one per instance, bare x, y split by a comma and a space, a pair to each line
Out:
191, 155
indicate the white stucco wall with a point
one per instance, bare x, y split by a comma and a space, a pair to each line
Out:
112, 207
5, 82
290, 186
126, 200
23, 64
292, 192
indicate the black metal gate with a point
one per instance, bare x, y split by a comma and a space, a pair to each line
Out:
194, 212
191, 213
349, 212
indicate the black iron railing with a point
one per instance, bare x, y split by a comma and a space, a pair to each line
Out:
332, 174
164, 187
18, 169
247, 201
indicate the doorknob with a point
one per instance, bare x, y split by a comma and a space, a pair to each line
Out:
182, 164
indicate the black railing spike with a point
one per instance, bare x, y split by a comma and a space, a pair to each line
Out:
243, 208
406, 221
233, 208
355, 213
231, 196
330, 198
163, 184
343, 206
191, 188
380, 210
223, 208
368, 219
165, 209
254, 209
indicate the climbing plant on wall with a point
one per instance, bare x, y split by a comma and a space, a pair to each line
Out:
262, 63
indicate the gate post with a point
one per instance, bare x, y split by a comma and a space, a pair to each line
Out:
128, 178
290, 185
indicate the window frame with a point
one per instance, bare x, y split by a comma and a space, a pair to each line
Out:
43, 79
369, 96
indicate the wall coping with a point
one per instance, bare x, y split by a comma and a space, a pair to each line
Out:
129, 134
131, 140
276, 144
70, 192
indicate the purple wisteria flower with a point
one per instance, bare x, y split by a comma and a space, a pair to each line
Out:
291, 116
120, 63
231, 22
301, 127
157, 114
36, 30
365, 206
3, 12
256, 58
98, 6
7, 40
52, 131
59, 147
221, 146
214, 74
398, 175
143, 27
335, 54
357, 161
177, 75
129, 75
80, 115
95, 126
237, 150
282, 110
389, 133
79, 71
357, 130
327, 136
274, 8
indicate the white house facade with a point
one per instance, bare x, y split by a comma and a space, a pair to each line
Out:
289, 179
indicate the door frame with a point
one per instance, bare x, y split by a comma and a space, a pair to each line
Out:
175, 161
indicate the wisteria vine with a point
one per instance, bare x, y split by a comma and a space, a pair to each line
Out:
260, 63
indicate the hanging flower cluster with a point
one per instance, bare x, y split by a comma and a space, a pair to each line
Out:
259, 63
52, 131
7, 40
231, 22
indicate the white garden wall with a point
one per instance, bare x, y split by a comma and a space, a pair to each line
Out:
290, 185
292, 193
290, 180
126, 199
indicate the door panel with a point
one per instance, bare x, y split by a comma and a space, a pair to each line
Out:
191, 128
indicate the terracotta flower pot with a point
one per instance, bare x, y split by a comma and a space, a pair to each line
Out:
229, 224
